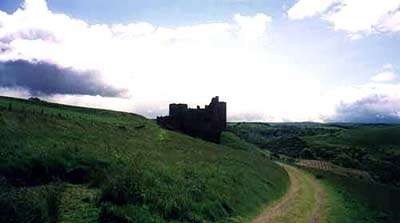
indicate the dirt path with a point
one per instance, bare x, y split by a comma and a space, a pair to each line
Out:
303, 203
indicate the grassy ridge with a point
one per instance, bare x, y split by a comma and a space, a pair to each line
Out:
369, 136
142, 172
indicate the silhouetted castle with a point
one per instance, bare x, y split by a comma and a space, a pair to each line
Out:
206, 123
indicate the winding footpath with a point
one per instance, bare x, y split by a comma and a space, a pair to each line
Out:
303, 203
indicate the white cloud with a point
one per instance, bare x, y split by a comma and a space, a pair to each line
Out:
252, 28
35, 5
309, 8
384, 77
352, 16
390, 22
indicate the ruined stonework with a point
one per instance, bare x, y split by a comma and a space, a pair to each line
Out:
206, 123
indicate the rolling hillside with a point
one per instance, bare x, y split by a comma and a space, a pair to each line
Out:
370, 154
70, 164
373, 148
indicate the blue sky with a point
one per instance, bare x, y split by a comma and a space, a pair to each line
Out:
306, 59
158, 12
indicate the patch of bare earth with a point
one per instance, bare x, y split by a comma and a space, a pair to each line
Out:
303, 203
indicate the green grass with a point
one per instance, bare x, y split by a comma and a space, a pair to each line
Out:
351, 200
368, 136
78, 205
233, 141
141, 173
34, 204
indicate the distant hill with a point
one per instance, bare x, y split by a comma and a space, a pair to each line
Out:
62, 163
371, 147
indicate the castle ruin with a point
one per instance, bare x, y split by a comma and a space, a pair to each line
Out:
206, 123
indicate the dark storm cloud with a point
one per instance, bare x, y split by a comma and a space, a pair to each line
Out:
42, 78
372, 109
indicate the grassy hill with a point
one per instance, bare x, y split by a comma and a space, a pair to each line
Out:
70, 164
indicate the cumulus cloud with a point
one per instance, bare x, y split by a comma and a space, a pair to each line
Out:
252, 28
353, 16
120, 51
113, 48
371, 109
41, 78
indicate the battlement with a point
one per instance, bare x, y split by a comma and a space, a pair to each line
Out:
206, 123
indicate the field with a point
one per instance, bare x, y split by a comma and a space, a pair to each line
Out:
71, 164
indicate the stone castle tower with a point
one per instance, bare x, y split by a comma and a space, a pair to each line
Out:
206, 123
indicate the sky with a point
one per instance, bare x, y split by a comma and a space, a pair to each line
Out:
274, 61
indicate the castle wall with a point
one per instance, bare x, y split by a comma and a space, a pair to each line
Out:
206, 123
177, 110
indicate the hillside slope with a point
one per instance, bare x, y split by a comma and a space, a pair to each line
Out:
60, 162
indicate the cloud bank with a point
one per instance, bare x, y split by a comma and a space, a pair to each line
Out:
371, 109
41, 78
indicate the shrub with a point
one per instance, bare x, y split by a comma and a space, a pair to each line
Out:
29, 205
319, 176
71, 165
123, 187
127, 214
345, 160
307, 153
